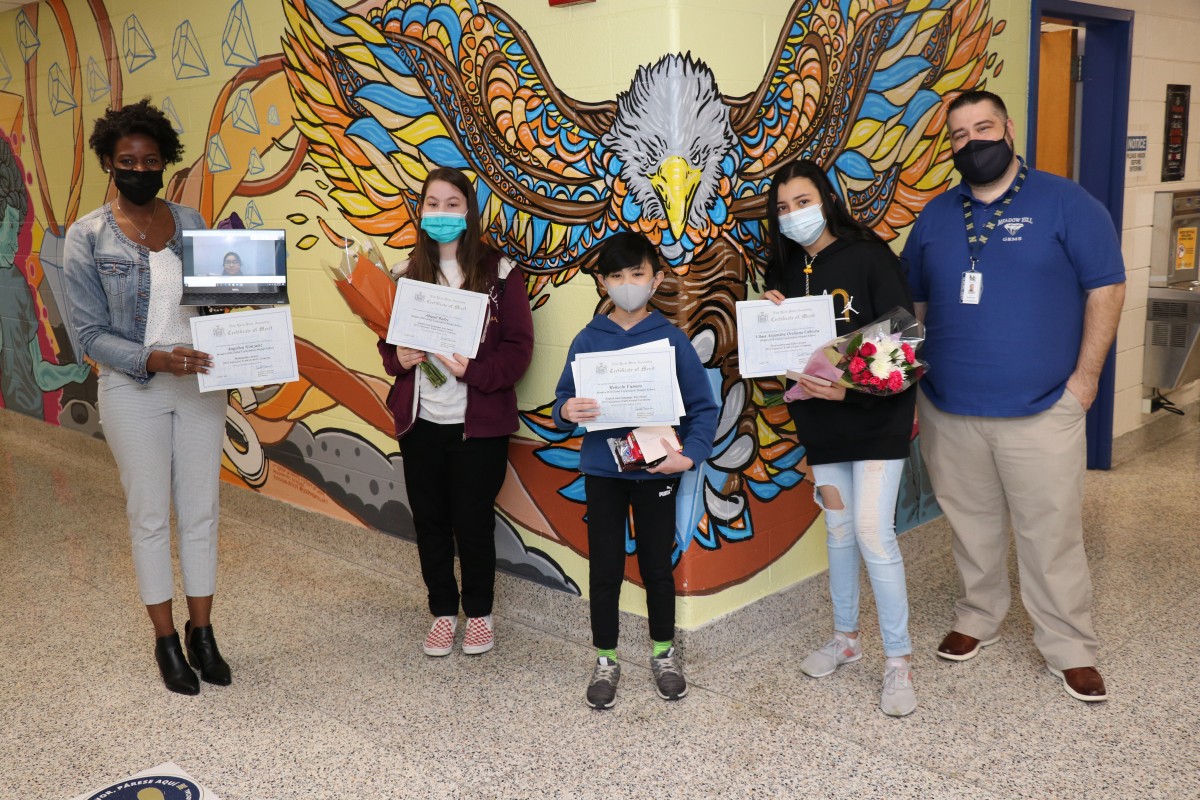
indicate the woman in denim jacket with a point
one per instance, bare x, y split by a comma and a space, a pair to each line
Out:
123, 271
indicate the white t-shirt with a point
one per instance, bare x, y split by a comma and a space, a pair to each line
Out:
166, 320
445, 404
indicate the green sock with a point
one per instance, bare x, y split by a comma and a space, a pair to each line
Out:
660, 648
611, 655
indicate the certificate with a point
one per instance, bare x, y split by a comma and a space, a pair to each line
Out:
658, 344
775, 338
248, 348
633, 387
437, 319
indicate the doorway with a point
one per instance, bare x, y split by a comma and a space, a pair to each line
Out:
1079, 84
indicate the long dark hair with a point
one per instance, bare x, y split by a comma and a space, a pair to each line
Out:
837, 217
424, 260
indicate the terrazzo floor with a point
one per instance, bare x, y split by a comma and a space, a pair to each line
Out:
332, 697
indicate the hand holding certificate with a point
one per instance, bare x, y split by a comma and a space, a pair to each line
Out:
775, 338
437, 319
633, 387
247, 348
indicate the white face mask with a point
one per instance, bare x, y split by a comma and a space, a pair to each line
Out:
804, 226
630, 297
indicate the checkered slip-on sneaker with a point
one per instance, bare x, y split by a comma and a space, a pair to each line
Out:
480, 636
440, 640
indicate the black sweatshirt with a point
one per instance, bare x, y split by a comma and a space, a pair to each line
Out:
863, 427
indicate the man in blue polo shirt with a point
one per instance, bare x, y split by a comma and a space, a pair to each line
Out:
1019, 279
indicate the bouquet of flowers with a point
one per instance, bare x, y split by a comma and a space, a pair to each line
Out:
879, 358
368, 287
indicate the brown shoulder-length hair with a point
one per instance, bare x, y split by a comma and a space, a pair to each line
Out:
472, 253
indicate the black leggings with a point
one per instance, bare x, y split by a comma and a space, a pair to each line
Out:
452, 486
608, 503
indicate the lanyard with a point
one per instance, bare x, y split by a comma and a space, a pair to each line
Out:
976, 241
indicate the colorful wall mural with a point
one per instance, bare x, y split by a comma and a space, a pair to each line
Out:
323, 118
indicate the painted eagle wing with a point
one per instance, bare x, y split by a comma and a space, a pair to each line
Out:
863, 96
417, 84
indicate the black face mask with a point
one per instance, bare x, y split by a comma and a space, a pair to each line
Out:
138, 186
981, 162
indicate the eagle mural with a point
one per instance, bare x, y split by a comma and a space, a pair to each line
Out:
386, 91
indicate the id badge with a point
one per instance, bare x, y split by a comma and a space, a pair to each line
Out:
972, 287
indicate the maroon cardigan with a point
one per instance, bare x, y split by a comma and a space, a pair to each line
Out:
504, 355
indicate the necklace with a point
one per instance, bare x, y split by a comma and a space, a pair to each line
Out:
808, 265
140, 231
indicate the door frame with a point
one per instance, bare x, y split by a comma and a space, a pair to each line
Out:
1104, 113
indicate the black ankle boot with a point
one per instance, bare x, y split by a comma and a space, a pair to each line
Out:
176, 673
203, 654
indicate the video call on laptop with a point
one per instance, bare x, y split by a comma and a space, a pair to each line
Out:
234, 268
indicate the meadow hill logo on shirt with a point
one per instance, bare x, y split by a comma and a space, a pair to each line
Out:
1013, 226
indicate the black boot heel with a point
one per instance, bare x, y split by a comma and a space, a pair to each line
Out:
176, 673
203, 655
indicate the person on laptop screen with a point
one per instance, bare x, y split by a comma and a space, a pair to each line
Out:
232, 264
234, 267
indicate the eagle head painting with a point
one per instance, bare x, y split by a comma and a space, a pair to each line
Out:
386, 91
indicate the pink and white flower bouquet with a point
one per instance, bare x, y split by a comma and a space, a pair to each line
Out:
879, 358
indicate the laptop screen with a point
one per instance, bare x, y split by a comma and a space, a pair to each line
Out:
234, 261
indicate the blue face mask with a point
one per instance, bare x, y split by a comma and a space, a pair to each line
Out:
803, 226
442, 227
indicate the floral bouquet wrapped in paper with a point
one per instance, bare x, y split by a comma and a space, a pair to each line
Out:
363, 281
369, 289
879, 358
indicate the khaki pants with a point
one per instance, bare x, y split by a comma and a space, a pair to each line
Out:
988, 471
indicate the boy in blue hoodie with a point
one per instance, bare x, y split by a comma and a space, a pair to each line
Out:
629, 268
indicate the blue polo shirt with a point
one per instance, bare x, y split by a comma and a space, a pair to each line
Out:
1010, 355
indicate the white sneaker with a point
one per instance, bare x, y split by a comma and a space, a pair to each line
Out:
897, 698
440, 640
841, 649
480, 635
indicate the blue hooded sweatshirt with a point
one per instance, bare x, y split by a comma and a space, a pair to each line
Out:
696, 428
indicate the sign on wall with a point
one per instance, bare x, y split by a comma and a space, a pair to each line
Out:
1175, 136
1135, 154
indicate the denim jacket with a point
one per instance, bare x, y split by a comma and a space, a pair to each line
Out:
108, 288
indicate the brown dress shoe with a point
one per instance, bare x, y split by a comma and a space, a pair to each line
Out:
1082, 683
960, 647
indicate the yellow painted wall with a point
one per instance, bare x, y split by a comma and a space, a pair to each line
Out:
590, 54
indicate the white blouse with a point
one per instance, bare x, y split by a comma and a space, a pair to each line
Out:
166, 320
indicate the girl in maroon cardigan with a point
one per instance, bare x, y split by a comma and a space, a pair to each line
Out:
454, 435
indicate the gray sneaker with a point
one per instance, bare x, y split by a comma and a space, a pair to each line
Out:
668, 676
602, 688
897, 698
841, 649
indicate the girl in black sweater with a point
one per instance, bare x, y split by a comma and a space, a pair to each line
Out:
856, 443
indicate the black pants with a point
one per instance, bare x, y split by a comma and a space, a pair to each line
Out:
452, 486
608, 503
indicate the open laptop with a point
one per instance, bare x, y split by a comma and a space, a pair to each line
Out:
234, 268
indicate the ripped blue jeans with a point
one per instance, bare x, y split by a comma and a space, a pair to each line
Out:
866, 523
